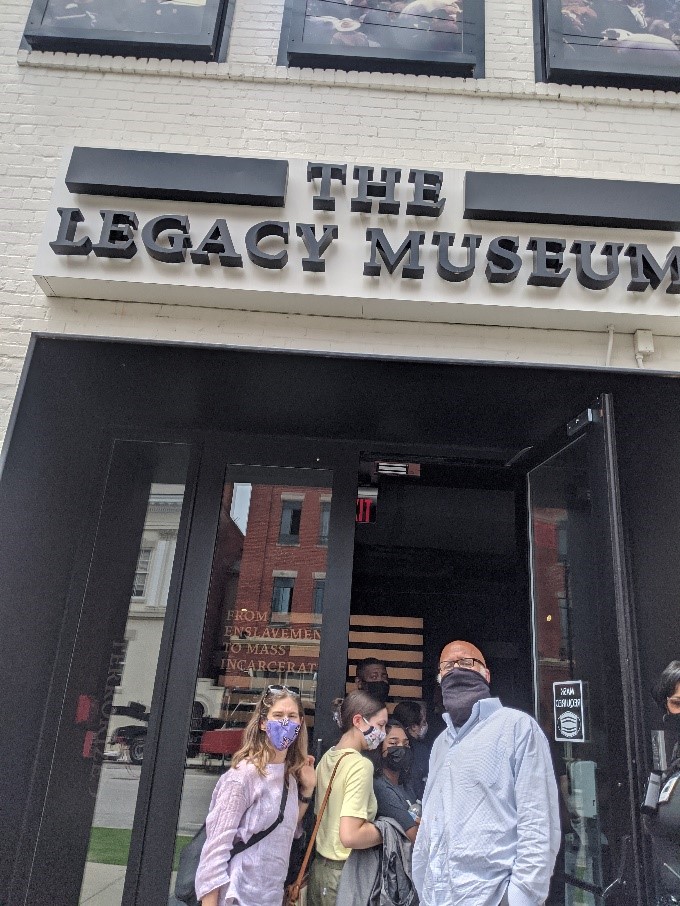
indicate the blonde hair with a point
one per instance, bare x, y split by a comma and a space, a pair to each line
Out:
256, 747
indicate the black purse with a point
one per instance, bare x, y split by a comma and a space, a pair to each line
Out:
185, 882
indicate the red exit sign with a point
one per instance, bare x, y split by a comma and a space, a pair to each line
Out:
366, 509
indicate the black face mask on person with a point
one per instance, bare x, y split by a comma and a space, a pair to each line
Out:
671, 724
379, 690
461, 688
398, 759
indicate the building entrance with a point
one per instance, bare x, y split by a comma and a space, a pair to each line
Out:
195, 545
517, 556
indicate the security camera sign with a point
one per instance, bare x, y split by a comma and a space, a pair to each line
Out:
569, 710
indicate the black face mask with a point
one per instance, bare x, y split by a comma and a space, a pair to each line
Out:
379, 690
461, 688
398, 759
671, 723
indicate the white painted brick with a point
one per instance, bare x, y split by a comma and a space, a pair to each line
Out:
249, 105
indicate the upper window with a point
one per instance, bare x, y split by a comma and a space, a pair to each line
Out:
436, 37
175, 29
629, 43
282, 594
142, 572
291, 513
324, 521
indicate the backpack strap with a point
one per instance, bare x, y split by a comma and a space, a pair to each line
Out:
260, 835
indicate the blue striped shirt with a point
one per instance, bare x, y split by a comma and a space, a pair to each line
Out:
490, 813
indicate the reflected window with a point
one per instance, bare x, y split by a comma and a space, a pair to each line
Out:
324, 521
282, 594
291, 514
319, 591
141, 573
181, 29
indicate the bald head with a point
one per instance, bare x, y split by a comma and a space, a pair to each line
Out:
455, 651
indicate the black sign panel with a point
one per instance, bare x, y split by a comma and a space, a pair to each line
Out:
569, 711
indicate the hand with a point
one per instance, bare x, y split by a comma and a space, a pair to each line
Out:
306, 777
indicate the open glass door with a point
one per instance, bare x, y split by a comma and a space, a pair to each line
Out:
583, 652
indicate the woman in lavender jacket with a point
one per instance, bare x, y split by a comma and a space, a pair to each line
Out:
247, 799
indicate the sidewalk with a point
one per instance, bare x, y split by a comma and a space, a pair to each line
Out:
103, 885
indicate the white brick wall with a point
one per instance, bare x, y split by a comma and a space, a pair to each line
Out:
248, 105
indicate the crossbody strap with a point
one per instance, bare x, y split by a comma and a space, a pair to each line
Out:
260, 835
312, 839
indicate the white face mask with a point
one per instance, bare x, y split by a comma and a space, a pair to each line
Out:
373, 736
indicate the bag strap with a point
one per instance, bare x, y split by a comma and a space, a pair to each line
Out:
312, 839
260, 835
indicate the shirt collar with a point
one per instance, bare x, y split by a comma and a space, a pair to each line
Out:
480, 711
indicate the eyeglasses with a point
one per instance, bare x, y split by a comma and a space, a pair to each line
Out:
293, 690
675, 702
467, 662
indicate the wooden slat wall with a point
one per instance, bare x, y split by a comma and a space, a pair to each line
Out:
398, 641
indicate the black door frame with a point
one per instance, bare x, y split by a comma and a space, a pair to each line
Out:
160, 790
609, 494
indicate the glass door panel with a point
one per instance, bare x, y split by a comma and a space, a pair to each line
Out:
263, 617
579, 691
101, 747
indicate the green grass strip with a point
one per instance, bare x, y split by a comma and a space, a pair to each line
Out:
111, 846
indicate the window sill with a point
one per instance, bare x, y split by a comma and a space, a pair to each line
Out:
375, 81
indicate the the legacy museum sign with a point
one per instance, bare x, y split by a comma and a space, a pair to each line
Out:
356, 232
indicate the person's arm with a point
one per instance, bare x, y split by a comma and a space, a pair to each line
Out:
224, 818
356, 831
538, 818
359, 833
306, 781
393, 804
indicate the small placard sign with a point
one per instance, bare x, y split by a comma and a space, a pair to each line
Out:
569, 711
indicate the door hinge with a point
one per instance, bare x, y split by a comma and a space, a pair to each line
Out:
587, 417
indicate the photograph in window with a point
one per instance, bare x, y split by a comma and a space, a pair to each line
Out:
620, 35
399, 25
171, 17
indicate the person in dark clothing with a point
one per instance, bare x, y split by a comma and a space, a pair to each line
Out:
412, 715
664, 824
372, 678
390, 784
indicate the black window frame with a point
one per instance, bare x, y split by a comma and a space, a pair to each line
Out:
319, 586
324, 521
557, 63
293, 51
282, 583
203, 46
290, 539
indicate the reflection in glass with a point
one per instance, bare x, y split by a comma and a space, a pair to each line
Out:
416, 25
116, 745
262, 625
567, 601
176, 17
620, 34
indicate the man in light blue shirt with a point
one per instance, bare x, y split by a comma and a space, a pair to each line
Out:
490, 829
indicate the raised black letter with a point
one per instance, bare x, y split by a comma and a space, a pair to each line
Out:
586, 276
255, 234
368, 190
324, 201
503, 261
65, 243
380, 243
427, 185
217, 242
451, 272
315, 248
548, 261
645, 269
116, 237
179, 238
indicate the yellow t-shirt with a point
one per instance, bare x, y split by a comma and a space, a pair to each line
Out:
351, 797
